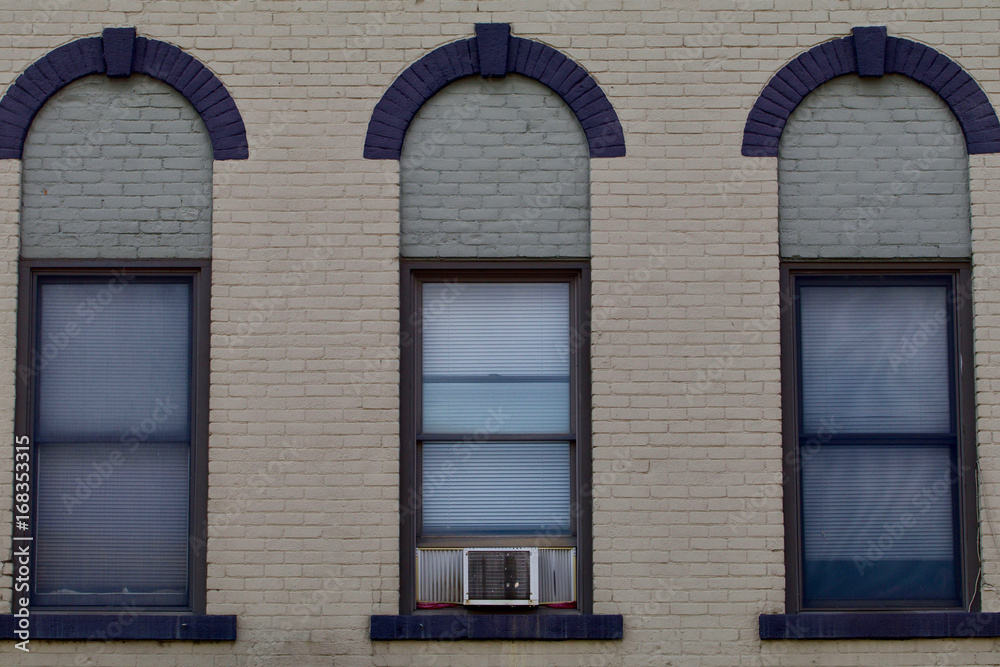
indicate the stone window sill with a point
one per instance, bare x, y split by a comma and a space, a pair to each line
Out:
497, 626
96, 627
880, 625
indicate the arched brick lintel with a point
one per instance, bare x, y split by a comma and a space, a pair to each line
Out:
869, 52
118, 53
493, 52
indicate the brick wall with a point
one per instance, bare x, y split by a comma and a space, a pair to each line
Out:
873, 168
495, 168
303, 507
117, 168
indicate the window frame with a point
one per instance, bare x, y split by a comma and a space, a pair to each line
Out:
577, 274
199, 271
960, 302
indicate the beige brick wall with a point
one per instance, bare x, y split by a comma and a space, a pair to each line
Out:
687, 450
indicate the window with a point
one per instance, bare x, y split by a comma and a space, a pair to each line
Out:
115, 247
113, 377
495, 418
494, 388
879, 443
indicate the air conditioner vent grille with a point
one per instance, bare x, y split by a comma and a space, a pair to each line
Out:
439, 576
499, 575
556, 576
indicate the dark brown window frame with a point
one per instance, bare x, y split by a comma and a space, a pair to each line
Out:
200, 273
961, 273
577, 274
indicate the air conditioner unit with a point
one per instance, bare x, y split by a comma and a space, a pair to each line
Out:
441, 575
500, 576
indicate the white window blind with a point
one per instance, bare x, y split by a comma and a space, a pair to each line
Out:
495, 487
496, 361
495, 357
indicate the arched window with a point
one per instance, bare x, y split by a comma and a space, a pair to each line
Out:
117, 136
878, 170
495, 391
872, 136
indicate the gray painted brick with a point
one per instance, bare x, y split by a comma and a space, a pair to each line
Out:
873, 168
495, 168
117, 169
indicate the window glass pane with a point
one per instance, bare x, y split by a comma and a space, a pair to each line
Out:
875, 359
495, 357
112, 523
878, 523
113, 361
495, 487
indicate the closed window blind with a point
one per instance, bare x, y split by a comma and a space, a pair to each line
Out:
893, 502
112, 524
496, 362
875, 359
115, 358
495, 487
878, 524
113, 438
495, 357
878, 494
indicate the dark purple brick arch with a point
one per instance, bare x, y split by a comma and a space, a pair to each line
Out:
869, 52
119, 53
493, 52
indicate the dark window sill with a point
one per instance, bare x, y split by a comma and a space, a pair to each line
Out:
880, 625
497, 626
125, 625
